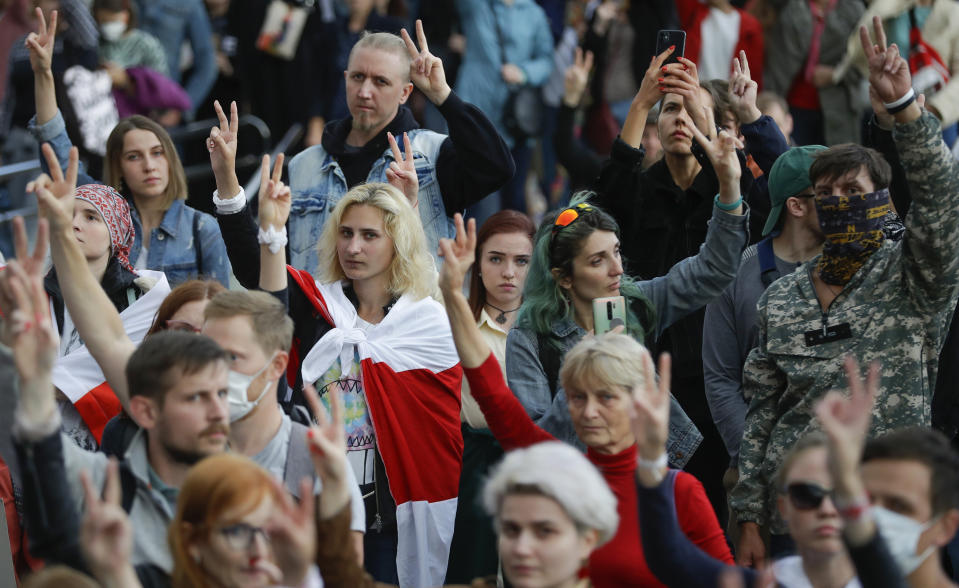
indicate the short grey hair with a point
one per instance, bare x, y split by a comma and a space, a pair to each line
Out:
387, 42
561, 472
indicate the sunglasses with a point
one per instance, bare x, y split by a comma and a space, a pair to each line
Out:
569, 215
806, 496
174, 325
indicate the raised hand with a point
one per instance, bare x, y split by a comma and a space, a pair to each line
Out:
683, 78
222, 143
426, 69
743, 91
292, 531
401, 174
650, 417
721, 150
28, 330
55, 192
888, 71
577, 76
106, 535
458, 255
274, 200
40, 44
845, 420
327, 440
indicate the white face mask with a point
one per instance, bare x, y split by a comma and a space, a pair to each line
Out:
901, 535
237, 386
113, 30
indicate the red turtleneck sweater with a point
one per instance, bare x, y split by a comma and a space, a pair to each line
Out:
620, 562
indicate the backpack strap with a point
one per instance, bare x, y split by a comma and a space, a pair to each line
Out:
768, 272
550, 360
128, 487
299, 465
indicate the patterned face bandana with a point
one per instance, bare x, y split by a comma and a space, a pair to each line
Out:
853, 227
115, 212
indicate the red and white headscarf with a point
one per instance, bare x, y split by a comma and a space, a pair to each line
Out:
115, 211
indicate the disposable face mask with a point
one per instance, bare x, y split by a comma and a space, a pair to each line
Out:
113, 30
901, 535
237, 386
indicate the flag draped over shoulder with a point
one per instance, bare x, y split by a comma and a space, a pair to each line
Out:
79, 376
411, 378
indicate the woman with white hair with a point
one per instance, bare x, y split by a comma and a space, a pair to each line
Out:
598, 374
550, 506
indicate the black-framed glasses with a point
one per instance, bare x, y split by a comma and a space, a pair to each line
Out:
805, 495
240, 536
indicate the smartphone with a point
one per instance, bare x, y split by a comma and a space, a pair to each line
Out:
608, 313
666, 39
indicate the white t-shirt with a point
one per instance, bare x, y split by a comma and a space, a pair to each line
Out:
789, 574
719, 33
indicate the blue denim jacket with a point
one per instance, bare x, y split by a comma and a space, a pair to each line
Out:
688, 286
317, 184
173, 249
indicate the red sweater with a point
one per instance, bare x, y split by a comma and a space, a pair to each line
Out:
620, 562
691, 16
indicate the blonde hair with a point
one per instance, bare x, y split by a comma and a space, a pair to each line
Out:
270, 321
386, 42
612, 359
176, 188
411, 270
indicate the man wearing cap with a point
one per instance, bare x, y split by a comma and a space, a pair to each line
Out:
792, 236
865, 295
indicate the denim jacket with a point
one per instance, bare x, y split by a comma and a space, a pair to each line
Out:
198, 252
317, 184
688, 286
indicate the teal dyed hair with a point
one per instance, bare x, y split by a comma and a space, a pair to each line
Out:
544, 302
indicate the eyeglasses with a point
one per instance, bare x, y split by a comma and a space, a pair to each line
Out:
806, 496
241, 535
569, 215
174, 325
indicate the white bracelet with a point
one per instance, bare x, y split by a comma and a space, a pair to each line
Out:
229, 205
273, 238
653, 464
896, 103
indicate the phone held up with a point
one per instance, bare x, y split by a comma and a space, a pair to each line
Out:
666, 39
608, 313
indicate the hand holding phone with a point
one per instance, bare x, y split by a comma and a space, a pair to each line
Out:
668, 38
608, 313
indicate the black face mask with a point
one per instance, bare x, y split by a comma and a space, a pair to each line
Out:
853, 227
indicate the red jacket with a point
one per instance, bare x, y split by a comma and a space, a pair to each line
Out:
691, 16
619, 562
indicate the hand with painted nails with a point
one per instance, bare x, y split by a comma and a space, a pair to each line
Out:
651, 87
401, 173
327, 441
682, 78
426, 69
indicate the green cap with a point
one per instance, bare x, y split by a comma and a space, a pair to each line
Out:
788, 177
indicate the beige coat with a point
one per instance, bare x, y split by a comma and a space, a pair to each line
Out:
941, 31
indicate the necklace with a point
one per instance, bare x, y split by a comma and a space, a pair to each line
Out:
501, 319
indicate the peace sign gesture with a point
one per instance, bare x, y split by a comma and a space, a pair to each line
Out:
106, 535
327, 441
222, 142
41, 42
274, 199
458, 254
721, 150
743, 90
55, 192
426, 70
888, 71
401, 174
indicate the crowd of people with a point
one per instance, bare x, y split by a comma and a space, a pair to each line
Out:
397, 364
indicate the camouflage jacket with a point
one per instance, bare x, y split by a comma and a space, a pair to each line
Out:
897, 307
